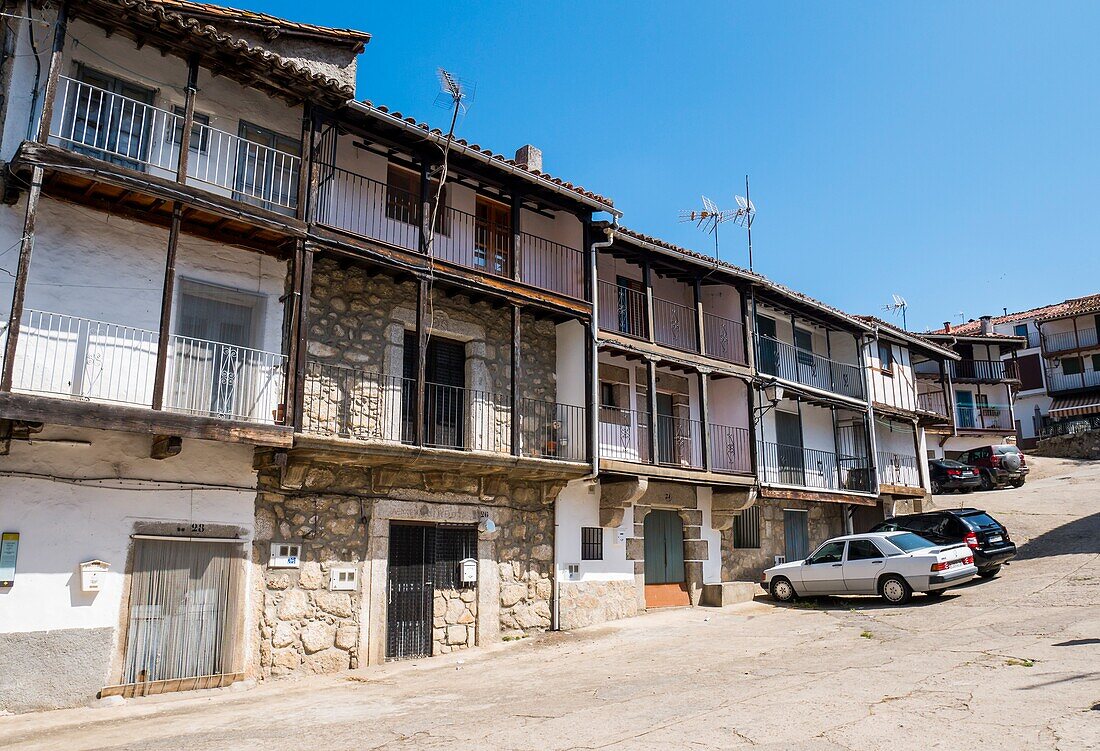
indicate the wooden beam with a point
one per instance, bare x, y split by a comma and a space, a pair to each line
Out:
647, 282
651, 378
22, 271
704, 420
700, 336
49, 95
167, 294
292, 334
515, 363
517, 244
188, 117
301, 336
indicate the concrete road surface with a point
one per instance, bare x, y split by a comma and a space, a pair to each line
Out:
1012, 663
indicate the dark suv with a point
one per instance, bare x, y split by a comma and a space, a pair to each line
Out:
999, 465
986, 536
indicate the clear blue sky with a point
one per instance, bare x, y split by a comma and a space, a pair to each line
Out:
944, 151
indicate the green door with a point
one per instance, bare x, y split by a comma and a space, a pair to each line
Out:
664, 548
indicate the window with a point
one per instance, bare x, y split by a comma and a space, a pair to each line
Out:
1096, 362
200, 136
831, 552
106, 118
804, 341
267, 173
886, 357
1072, 365
910, 542
607, 395
493, 237
863, 550
1020, 329
402, 195
746, 528
591, 543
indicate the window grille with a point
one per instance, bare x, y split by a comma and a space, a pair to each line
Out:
591, 543
746, 528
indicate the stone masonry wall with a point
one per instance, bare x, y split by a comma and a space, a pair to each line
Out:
590, 603
746, 564
525, 548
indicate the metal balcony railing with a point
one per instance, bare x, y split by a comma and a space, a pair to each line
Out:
898, 469
724, 338
362, 405
1062, 341
1069, 426
679, 442
624, 435
781, 464
933, 402
106, 362
982, 370
729, 449
137, 135
622, 310
1058, 380
983, 417
358, 204
674, 325
802, 366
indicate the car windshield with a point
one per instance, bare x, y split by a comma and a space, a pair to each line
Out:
979, 520
910, 542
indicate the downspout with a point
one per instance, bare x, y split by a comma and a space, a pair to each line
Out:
593, 421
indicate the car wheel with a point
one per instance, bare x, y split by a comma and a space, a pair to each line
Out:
1018, 483
937, 489
989, 573
933, 593
987, 481
782, 590
894, 589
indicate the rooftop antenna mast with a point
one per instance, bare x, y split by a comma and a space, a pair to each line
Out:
708, 218
898, 306
455, 94
746, 212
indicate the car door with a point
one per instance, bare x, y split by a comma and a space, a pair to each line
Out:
823, 572
862, 565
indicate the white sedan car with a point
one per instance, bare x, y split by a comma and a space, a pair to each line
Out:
892, 565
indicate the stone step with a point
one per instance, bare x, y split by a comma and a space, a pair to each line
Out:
729, 593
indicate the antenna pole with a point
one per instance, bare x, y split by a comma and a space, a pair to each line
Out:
748, 200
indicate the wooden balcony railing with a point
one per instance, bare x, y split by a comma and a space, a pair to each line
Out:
933, 402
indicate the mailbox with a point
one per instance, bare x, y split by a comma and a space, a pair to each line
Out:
468, 570
92, 574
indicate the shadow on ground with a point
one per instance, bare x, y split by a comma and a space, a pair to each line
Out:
1073, 538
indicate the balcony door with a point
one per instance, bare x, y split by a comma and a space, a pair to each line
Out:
631, 303
789, 451
493, 237
107, 118
267, 173
214, 370
767, 347
444, 392
666, 430
964, 409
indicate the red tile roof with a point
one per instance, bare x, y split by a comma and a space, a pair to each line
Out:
909, 335
264, 21
1064, 309
462, 143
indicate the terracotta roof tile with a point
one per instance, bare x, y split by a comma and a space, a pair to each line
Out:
254, 18
900, 332
1064, 309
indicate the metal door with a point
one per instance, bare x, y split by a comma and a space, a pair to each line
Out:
789, 452
796, 534
409, 592
664, 547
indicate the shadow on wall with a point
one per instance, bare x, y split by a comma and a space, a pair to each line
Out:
1075, 537
78, 598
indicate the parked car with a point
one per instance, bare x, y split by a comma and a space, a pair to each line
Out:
984, 535
948, 474
999, 465
892, 565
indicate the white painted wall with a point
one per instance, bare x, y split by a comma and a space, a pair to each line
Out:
62, 524
570, 352
578, 507
896, 388
712, 566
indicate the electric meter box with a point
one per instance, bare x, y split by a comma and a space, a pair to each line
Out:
92, 575
468, 570
285, 555
341, 579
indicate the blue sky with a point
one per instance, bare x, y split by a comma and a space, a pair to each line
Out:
943, 151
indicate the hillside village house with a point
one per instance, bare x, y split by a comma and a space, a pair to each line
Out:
1058, 367
266, 409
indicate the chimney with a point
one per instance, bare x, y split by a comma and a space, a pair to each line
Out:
530, 157
947, 326
987, 325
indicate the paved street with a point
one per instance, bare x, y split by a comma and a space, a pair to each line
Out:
1011, 663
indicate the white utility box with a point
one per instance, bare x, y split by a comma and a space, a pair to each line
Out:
92, 575
341, 579
468, 570
285, 555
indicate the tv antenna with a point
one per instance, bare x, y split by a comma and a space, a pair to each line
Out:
710, 218
455, 94
898, 306
746, 212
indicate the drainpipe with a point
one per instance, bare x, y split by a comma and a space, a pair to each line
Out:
593, 421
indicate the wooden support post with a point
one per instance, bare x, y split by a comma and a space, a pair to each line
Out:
22, 271
188, 117
423, 292
919, 456
292, 338
164, 340
651, 379
704, 419
516, 334
308, 165
647, 282
754, 416
586, 245
301, 338
517, 238
700, 336
425, 204
49, 95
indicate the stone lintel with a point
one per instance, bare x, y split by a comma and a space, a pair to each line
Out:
618, 495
